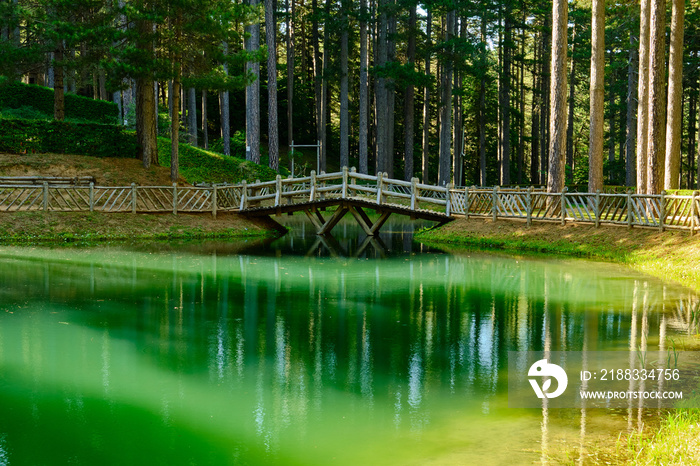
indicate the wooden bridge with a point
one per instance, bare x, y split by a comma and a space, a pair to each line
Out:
350, 192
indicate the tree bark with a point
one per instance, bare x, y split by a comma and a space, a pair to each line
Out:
675, 96
643, 97
324, 89
572, 88
290, 75
426, 105
631, 126
446, 108
381, 93
272, 120
175, 129
505, 97
252, 94
482, 99
364, 91
59, 105
557, 143
409, 101
344, 93
205, 129
597, 97
225, 112
192, 115
657, 94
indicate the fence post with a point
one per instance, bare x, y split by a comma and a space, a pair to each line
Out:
353, 170
563, 205
630, 215
278, 194
448, 198
344, 192
414, 181
133, 198
528, 206
662, 210
174, 198
92, 196
466, 202
244, 195
494, 203
693, 225
312, 193
214, 201
46, 197
597, 208
380, 176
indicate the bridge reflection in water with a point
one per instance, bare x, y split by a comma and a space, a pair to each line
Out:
367, 361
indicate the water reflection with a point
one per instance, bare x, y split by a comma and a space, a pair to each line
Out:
260, 358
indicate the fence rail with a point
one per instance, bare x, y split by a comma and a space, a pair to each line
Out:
656, 211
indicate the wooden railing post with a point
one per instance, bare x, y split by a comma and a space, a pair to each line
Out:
494, 203
563, 205
244, 195
597, 208
92, 196
174, 198
46, 197
312, 194
662, 210
630, 210
380, 177
353, 170
414, 189
214, 201
528, 206
693, 213
133, 198
278, 193
448, 199
466, 202
344, 192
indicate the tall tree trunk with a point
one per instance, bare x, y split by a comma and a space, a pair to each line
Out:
59, 105
409, 101
290, 76
324, 89
252, 94
175, 128
546, 103
317, 68
631, 126
657, 94
692, 126
425, 159
364, 91
225, 115
521, 130
146, 127
643, 97
446, 108
572, 88
482, 99
505, 97
536, 103
557, 143
272, 120
597, 98
205, 129
344, 92
391, 94
192, 115
381, 92
675, 96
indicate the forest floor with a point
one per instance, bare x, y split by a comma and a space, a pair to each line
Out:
23, 227
671, 255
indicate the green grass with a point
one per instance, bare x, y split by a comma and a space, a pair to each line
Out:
203, 166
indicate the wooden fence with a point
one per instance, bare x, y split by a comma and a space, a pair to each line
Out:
657, 211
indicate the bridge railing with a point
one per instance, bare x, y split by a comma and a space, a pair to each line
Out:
646, 210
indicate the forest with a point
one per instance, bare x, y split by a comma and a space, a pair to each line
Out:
590, 94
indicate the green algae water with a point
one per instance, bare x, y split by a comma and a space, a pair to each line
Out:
219, 354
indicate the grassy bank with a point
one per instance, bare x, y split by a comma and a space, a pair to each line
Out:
673, 255
35, 227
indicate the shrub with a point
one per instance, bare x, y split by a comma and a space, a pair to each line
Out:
17, 95
29, 136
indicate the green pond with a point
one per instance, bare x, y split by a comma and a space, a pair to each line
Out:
297, 352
